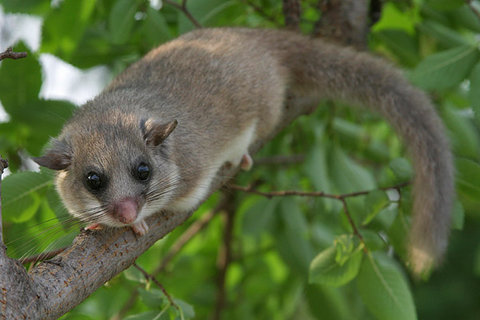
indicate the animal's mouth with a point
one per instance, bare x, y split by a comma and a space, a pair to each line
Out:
126, 210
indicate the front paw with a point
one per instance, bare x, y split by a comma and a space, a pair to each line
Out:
140, 228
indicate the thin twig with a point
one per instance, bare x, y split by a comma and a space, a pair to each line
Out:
183, 7
321, 194
10, 54
472, 7
280, 160
152, 278
292, 12
340, 197
258, 9
225, 256
3, 166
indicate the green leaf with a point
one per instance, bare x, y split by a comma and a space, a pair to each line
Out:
156, 28
64, 26
347, 174
326, 270
291, 238
445, 69
259, 217
20, 82
375, 201
400, 43
149, 315
468, 177
445, 4
26, 6
19, 198
121, 20
328, 303
446, 36
133, 274
464, 16
463, 134
153, 298
187, 309
458, 216
384, 289
474, 92
402, 169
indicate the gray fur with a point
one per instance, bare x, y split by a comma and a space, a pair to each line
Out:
217, 83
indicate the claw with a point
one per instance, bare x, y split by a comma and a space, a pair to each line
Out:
247, 162
140, 228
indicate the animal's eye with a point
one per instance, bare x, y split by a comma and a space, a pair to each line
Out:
142, 172
94, 181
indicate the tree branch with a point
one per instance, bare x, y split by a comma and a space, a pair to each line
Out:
52, 288
292, 12
183, 7
10, 54
224, 256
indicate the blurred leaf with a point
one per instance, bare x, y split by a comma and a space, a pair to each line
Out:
445, 4
375, 201
474, 93
443, 34
291, 241
402, 169
328, 303
464, 136
468, 177
393, 18
154, 298
259, 217
458, 216
384, 290
149, 315
122, 19
348, 175
464, 16
156, 28
64, 26
20, 81
400, 43
325, 269
26, 6
187, 309
133, 274
445, 69
19, 201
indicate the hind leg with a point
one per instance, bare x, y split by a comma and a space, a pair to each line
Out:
246, 162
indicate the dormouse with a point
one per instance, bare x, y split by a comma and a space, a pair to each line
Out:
155, 138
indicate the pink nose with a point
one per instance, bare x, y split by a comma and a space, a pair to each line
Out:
125, 210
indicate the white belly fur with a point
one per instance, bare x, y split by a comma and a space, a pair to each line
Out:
233, 154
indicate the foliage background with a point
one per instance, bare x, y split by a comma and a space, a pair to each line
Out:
338, 149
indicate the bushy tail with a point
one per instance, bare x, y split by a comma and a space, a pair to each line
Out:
328, 71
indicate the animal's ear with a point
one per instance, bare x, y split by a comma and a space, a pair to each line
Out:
57, 157
155, 132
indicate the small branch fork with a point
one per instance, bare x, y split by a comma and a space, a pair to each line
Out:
10, 54
321, 194
183, 8
150, 277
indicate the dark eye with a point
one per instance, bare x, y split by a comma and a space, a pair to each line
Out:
94, 182
142, 172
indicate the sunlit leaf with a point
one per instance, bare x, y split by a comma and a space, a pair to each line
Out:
384, 290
